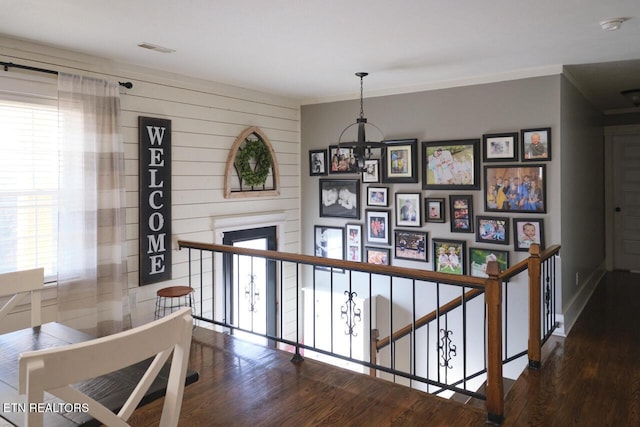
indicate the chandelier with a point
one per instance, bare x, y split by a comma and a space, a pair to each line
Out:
361, 147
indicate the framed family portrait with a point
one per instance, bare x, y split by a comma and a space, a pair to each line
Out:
408, 210
449, 256
378, 196
371, 172
536, 144
515, 188
317, 162
378, 256
461, 211
400, 161
451, 165
480, 257
377, 226
527, 231
411, 245
329, 243
434, 208
354, 242
340, 198
491, 229
342, 160
500, 147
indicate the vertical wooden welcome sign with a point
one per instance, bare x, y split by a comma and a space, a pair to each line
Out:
154, 136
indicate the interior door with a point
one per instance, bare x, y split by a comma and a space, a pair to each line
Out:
250, 282
626, 185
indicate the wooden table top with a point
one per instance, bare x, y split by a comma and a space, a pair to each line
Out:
111, 390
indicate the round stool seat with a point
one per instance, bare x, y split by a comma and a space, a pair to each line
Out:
172, 298
174, 291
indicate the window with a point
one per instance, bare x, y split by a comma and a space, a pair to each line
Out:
28, 184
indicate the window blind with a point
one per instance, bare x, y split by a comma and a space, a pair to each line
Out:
28, 185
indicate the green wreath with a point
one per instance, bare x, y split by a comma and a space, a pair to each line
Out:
257, 150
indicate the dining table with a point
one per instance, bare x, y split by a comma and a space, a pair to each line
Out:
111, 390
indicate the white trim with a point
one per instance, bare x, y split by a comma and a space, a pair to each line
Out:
225, 224
580, 299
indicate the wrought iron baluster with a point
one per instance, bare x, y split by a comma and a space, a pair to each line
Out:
351, 314
446, 348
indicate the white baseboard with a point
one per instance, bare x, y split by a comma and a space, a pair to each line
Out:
580, 300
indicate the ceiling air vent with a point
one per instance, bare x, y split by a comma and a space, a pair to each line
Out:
156, 47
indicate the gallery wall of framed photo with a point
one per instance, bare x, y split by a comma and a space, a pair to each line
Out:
446, 205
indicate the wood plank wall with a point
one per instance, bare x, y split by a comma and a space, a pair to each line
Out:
206, 117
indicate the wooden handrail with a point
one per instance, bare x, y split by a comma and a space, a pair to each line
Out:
385, 270
428, 318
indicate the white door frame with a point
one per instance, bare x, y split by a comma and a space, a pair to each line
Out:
609, 133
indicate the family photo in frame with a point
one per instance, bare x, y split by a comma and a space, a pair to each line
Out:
401, 161
354, 242
340, 198
408, 210
500, 147
491, 229
377, 225
317, 162
515, 189
480, 257
536, 145
451, 165
449, 256
434, 209
411, 245
461, 212
342, 160
527, 231
329, 242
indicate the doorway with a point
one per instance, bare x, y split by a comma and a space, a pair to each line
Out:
250, 283
624, 205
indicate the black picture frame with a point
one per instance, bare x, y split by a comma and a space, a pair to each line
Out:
493, 229
328, 243
529, 194
318, 162
451, 165
376, 255
340, 198
434, 209
500, 147
378, 196
479, 257
408, 210
533, 151
410, 245
378, 226
449, 256
461, 212
527, 231
400, 161
371, 174
342, 160
354, 240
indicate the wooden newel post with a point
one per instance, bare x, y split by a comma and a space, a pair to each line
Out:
535, 305
373, 350
495, 388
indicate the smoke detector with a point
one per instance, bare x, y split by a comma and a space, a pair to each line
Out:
612, 24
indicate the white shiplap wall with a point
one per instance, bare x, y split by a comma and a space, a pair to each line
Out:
206, 117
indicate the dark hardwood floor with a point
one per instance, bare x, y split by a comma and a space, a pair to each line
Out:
590, 378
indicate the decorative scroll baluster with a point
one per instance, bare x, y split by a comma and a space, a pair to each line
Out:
350, 314
446, 349
252, 294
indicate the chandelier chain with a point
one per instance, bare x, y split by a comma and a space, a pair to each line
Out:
361, 99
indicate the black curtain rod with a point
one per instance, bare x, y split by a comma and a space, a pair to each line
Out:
6, 66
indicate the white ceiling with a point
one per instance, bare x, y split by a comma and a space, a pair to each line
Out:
310, 50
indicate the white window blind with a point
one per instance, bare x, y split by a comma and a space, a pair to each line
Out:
28, 185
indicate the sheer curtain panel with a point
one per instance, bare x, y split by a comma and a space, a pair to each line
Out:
92, 279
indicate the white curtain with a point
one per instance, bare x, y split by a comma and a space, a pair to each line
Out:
92, 275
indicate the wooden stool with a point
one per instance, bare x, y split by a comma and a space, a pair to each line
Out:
172, 298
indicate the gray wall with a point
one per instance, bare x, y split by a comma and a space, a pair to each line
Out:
582, 188
470, 112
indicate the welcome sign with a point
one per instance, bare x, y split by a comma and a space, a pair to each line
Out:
154, 136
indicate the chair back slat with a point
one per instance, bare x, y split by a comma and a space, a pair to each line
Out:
20, 284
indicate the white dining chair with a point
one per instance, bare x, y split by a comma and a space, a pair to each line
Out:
18, 285
55, 370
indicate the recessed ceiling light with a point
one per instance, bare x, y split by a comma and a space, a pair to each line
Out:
155, 47
612, 24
